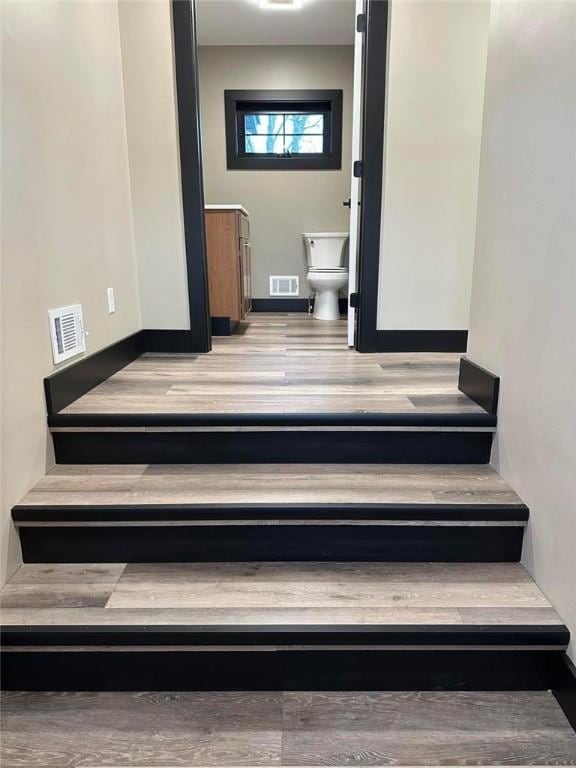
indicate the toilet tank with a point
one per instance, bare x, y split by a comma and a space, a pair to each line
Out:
325, 250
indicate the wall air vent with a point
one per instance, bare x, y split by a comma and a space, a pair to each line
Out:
282, 285
67, 332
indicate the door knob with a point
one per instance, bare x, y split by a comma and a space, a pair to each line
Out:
347, 203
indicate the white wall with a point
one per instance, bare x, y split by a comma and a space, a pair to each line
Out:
523, 316
437, 59
282, 204
147, 58
67, 224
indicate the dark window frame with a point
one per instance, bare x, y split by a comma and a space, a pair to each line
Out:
239, 103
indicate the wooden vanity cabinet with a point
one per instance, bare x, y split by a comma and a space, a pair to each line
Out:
229, 275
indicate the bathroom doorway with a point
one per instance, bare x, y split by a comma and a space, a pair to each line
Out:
273, 173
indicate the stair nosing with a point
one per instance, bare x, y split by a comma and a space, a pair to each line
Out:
342, 419
38, 513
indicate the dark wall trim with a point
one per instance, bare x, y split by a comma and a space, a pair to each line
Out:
337, 670
291, 305
564, 689
186, 69
416, 341
65, 386
479, 385
375, 68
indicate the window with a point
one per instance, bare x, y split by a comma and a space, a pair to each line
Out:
287, 130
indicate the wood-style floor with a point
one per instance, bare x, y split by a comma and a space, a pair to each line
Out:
282, 363
271, 484
83, 730
468, 594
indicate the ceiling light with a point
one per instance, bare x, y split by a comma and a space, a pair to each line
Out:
280, 5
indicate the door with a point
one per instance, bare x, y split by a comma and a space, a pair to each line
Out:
357, 110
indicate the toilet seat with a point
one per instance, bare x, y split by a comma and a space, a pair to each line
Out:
328, 269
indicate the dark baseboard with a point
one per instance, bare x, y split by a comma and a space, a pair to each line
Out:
165, 341
65, 386
288, 670
564, 689
223, 326
179, 543
291, 305
280, 305
415, 341
280, 446
479, 385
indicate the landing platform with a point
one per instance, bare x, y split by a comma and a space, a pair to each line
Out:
279, 364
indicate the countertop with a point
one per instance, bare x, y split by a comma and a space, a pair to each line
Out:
227, 207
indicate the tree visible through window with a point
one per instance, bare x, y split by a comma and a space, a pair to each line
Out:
283, 130
283, 134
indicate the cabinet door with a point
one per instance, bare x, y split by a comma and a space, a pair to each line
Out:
246, 275
224, 276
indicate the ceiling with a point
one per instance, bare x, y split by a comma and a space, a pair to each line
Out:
242, 22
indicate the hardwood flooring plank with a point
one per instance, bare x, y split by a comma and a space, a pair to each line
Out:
60, 586
55, 596
483, 616
244, 595
326, 585
63, 574
111, 746
220, 616
507, 574
421, 710
141, 729
441, 747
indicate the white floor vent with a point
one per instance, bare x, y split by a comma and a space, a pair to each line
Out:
284, 285
67, 332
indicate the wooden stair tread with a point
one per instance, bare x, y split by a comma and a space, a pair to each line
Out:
475, 601
427, 486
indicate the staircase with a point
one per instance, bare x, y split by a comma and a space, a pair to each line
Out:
203, 551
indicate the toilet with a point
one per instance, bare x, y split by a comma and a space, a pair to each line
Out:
327, 275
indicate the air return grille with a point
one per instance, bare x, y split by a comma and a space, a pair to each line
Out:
67, 332
284, 285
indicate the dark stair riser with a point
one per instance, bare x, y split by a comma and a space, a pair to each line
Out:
345, 446
292, 636
237, 543
336, 670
